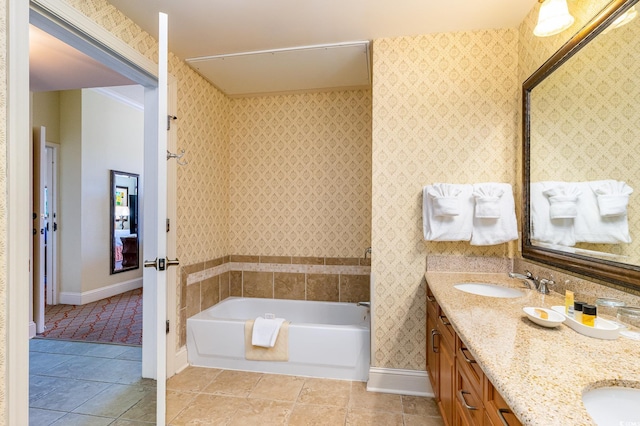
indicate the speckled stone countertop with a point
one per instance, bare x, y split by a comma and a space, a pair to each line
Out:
540, 372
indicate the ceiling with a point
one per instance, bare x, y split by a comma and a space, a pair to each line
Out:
54, 65
248, 47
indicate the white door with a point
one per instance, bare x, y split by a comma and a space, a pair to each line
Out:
154, 229
39, 218
51, 225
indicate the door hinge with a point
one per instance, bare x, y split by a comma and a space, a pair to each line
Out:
167, 328
168, 225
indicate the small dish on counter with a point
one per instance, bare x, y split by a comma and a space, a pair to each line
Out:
603, 329
544, 317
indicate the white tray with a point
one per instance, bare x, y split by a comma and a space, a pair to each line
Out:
603, 328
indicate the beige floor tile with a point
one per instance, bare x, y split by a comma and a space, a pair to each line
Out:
236, 383
260, 412
192, 379
209, 410
414, 420
280, 388
325, 392
176, 402
317, 415
375, 401
417, 405
357, 417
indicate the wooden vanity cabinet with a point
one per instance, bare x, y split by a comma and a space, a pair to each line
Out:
497, 410
464, 395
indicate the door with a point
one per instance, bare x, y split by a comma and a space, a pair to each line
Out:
51, 226
154, 227
39, 219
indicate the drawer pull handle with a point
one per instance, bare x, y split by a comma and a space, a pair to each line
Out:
462, 393
431, 299
501, 413
469, 360
444, 320
433, 340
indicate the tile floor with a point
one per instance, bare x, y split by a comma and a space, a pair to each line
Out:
77, 383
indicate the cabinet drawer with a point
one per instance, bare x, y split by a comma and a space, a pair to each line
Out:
432, 305
468, 364
445, 327
469, 398
497, 410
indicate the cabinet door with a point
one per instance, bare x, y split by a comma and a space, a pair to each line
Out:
447, 382
433, 365
497, 410
469, 397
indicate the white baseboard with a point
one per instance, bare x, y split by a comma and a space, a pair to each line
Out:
403, 382
181, 359
69, 298
32, 329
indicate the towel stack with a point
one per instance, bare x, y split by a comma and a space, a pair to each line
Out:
482, 213
567, 213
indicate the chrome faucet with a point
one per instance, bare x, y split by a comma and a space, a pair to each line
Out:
367, 304
541, 285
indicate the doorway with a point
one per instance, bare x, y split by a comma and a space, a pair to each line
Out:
111, 50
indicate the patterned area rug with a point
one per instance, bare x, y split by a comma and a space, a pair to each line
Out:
117, 319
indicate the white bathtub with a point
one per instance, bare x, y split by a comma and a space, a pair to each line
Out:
326, 339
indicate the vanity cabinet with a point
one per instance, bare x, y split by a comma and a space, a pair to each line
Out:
464, 395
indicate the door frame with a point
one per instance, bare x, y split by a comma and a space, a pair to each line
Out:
63, 21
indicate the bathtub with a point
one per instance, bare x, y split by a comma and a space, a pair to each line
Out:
326, 339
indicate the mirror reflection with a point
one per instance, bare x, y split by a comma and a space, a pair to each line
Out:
124, 221
585, 150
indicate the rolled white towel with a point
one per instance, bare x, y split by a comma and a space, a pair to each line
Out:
265, 331
563, 201
444, 198
613, 197
487, 196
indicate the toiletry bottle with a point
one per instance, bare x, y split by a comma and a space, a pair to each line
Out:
589, 315
568, 303
577, 311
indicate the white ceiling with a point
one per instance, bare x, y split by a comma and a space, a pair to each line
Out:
54, 65
200, 29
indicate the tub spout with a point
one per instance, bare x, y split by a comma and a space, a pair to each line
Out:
367, 304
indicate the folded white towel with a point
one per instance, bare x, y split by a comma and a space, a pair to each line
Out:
265, 331
448, 227
563, 200
591, 226
498, 228
444, 198
613, 197
543, 228
487, 196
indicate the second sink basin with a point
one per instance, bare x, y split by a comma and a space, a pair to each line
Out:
613, 406
490, 290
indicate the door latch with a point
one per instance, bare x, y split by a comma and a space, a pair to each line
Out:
161, 264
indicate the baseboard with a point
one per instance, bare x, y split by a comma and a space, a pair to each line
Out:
32, 329
69, 298
403, 382
181, 359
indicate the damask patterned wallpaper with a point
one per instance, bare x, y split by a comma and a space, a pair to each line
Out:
202, 133
3, 204
444, 110
300, 174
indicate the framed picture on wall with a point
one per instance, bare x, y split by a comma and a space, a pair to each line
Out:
122, 195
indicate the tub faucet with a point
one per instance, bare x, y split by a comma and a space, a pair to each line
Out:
367, 251
367, 304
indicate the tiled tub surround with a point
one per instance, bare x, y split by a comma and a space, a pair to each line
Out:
330, 279
540, 372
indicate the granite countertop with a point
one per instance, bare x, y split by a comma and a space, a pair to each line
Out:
540, 372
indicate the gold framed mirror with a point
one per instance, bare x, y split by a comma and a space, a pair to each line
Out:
581, 141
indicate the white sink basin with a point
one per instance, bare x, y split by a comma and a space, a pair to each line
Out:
613, 406
490, 290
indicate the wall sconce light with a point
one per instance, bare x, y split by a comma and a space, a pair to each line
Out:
553, 18
123, 214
